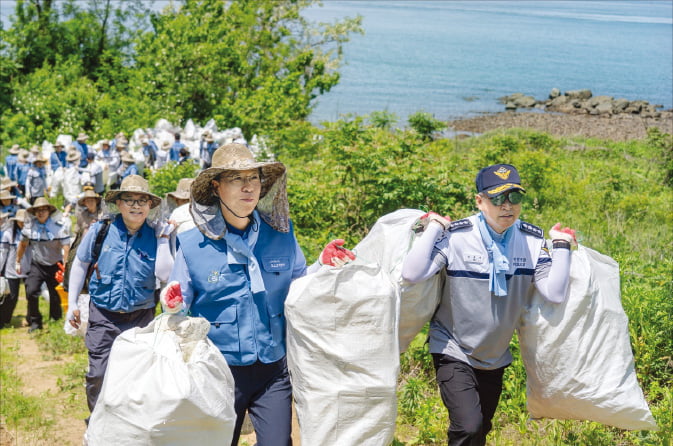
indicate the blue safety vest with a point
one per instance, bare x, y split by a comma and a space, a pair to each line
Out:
125, 280
244, 326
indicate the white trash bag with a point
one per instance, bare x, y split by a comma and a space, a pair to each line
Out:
578, 354
387, 244
343, 343
83, 307
342, 355
165, 384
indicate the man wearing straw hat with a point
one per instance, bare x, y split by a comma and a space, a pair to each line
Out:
10, 162
9, 243
49, 241
7, 203
178, 204
81, 146
123, 277
36, 179
235, 269
58, 157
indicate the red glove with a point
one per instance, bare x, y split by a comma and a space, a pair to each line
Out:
171, 298
59, 274
335, 254
566, 234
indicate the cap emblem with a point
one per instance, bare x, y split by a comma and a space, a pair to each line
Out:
503, 173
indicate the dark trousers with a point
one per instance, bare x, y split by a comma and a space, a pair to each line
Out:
104, 327
471, 396
8, 302
38, 275
264, 390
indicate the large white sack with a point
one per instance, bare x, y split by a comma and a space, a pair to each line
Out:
343, 356
578, 354
166, 384
387, 244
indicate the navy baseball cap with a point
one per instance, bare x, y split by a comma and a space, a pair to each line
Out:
497, 179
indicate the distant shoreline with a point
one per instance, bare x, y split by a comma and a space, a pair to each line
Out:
622, 127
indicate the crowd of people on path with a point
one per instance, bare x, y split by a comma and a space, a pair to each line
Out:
229, 249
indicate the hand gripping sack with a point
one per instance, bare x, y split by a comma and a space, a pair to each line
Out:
166, 384
387, 244
83, 307
578, 355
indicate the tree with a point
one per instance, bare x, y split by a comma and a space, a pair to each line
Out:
250, 64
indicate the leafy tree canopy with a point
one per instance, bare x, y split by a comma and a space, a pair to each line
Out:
103, 66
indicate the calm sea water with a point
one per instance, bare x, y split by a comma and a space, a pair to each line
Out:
456, 58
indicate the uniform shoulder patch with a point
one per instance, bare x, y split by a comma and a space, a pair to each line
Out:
532, 229
460, 224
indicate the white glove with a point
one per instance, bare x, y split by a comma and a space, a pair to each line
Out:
566, 234
17, 268
164, 229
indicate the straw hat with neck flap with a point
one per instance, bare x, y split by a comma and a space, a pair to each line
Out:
207, 205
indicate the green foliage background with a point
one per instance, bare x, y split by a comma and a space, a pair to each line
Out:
105, 67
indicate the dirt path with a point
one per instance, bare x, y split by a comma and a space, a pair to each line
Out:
39, 379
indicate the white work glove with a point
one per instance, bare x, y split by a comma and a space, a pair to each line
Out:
335, 254
17, 268
566, 234
171, 298
164, 229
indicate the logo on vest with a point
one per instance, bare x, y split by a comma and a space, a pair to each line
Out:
214, 277
519, 261
473, 258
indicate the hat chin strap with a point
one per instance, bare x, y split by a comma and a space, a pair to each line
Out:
249, 217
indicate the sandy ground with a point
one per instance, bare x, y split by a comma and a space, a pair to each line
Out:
620, 127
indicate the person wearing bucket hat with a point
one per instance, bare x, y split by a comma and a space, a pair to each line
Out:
9, 242
128, 166
48, 237
22, 166
122, 279
92, 174
58, 156
235, 269
149, 151
162, 155
10, 162
36, 180
88, 211
491, 261
207, 148
8, 203
82, 148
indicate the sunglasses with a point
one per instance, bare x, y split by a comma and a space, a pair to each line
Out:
514, 197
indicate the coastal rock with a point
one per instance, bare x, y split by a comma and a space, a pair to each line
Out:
554, 93
579, 94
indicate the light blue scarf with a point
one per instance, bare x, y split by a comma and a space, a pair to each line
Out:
240, 252
42, 231
496, 245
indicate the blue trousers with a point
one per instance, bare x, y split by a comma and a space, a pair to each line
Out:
265, 392
104, 327
471, 396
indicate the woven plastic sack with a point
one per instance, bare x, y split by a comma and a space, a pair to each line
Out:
342, 355
578, 354
166, 384
387, 244
345, 329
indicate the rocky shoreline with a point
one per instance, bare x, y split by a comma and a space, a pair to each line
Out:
572, 114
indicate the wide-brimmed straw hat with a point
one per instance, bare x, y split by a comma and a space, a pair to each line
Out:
134, 184
19, 216
273, 205
6, 195
41, 202
89, 194
82, 137
14, 150
39, 159
183, 189
35, 149
6, 183
166, 145
73, 156
58, 144
127, 158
